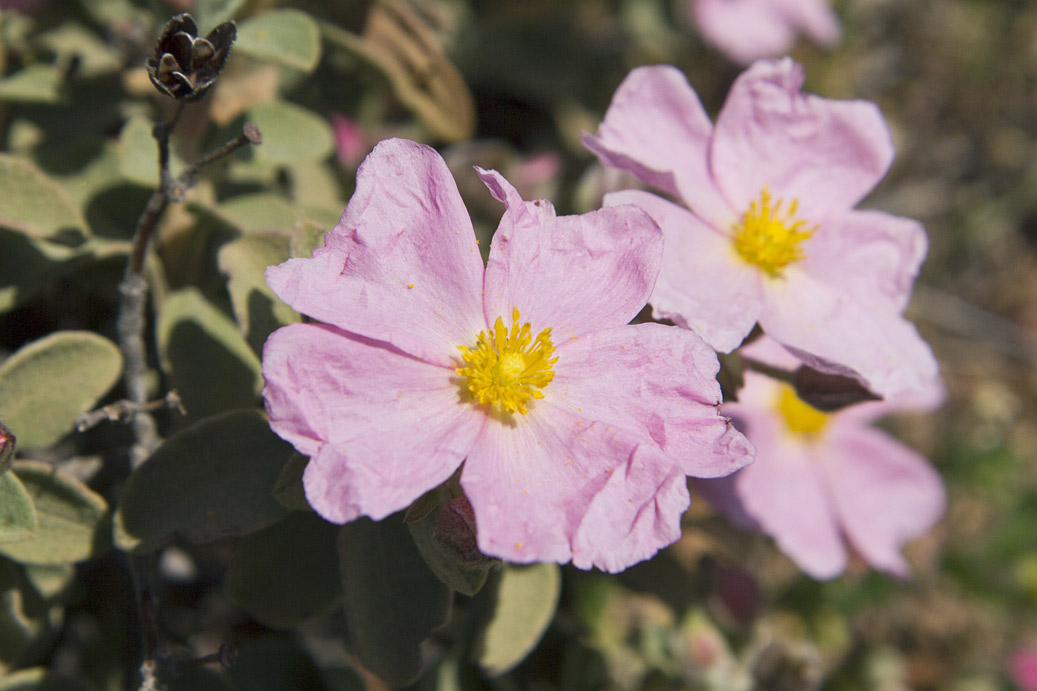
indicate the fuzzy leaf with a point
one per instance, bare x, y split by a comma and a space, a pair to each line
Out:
72, 521
525, 604
34, 83
288, 572
391, 598
289, 37
289, 491
138, 153
35, 204
17, 512
291, 133
49, 382
210, 363
261, 211
213, 479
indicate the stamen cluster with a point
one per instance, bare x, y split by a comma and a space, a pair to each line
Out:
770, 239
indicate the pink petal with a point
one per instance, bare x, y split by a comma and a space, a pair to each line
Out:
532, 484
827, 154
574, 274
870, 255
744, 30
633, 516
702, 284
832, 332
784, 491
381, 427
402, 265
815, 18
656, 128
659, 384
885, 493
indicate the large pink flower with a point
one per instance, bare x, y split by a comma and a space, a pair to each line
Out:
769, 233
576, 430
820, 479
747, 30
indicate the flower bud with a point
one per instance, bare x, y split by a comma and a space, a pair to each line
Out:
185, 65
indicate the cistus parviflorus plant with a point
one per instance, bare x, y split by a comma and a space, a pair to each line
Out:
474, 345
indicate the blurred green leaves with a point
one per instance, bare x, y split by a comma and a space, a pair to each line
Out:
285, 36
17, 512
291, 133
525, 603
34, 204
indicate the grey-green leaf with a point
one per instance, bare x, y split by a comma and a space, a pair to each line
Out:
35, 204
72, 520
289, 491
527, 597
17, 512
213, 479
391, 598
36, 83
288, 572
290, 133
45, 385
286, 36
210, 363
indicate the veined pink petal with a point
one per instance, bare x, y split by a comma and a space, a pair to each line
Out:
744, 30
702, 285
381, 427
402, 266
885, 493
633, 516
659, 384
532, 483
832, 332
827, 154
657, 129
574, 274
785, 493
871, 255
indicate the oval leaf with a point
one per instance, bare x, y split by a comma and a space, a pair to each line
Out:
290, 133
32, 84
212, 480
17, 512
48, 383
71, 519
526, 600
287, 573
35, 204
391, 598
138, 153
210, 363
289, 37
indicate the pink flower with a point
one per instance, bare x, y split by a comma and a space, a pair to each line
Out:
1023, 668
820, 479
747, 30
575, 429
770, 234
350, 143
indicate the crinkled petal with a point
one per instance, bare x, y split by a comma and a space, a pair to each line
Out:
744, 30
871, 255
658, 383
532, 483
574, 274
785, 492
657, 129
632, 517
832, 332
703, 285
885, 494
402, 266
827, 154
381, 427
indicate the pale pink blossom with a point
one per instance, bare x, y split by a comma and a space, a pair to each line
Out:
1023, 668
576, 430
748, 30
768, 232
350, 143
823, 480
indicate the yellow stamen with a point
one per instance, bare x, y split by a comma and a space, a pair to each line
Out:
507, 368
800, 417
770, 239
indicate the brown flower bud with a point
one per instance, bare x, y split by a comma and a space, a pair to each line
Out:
185, 65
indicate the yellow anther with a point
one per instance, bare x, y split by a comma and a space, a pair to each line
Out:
769, 238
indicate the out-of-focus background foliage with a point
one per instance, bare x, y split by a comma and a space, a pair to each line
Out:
507, 84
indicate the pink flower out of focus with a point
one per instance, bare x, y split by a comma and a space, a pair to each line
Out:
768, 232
1023, 668
820, 479
748, 30
575, 429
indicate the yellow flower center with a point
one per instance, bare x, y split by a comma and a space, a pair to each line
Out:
770, 238
507, 368
800, 417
